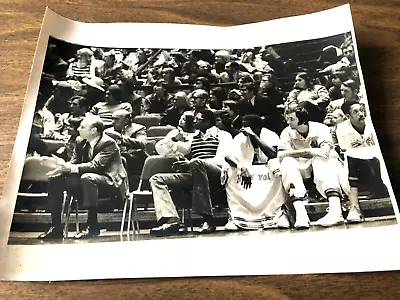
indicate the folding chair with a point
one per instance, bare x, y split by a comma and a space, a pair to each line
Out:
143, 196
33, 185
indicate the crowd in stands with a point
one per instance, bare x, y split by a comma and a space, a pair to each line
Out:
224, 106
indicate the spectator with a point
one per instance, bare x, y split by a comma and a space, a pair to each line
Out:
349, 91
159, 101
200, 175
180, 104
313, 97
113, 103
177, 142
43, 118
221, 58
199, 100
82, 67
131, 140
78, 108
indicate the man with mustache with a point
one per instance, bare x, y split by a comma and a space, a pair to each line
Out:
355, 136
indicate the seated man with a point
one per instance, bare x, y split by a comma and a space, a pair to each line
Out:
131, 140
200, 175
43, 118
253, 184
96, 167
355, 137
78, 109
307, 146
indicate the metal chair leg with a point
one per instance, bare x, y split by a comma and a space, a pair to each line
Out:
77, 216
136, 215
130, 219
121, 232
190, 219
66, 229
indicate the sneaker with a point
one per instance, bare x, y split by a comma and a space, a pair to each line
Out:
166, 229
330, 219
207, 228
230, 226
354, 215
302, 223
283, 221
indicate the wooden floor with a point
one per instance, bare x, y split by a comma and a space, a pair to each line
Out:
30, 238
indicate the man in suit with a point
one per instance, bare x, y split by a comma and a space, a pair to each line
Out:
131, 140
95, 168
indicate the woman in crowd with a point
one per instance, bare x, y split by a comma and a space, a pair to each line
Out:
178, 141
217, 96
313, 97
82, 67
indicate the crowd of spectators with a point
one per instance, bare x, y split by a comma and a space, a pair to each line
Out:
179, 85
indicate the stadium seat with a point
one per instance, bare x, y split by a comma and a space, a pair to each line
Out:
33, 185
155, 134
148, 120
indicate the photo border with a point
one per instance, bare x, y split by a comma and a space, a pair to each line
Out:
321, 252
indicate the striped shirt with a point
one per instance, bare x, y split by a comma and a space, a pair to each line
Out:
204, 146
80, 71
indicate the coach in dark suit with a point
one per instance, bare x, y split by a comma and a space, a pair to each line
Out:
95, 168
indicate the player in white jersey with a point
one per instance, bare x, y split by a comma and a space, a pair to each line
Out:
307, 147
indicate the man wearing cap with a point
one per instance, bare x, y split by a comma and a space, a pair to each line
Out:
131, 139
94, 90
95, 170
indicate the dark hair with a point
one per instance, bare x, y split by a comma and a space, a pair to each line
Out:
306, 77
204, 81
346, 106
339, 74
40, 101
272, 79
220, 95
231, 104
116, 92
208, 115
255, 121
83, 102
301, 113
250, 86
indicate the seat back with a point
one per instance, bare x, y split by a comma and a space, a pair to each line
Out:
158, 131
37, 167
155, 134
148, 120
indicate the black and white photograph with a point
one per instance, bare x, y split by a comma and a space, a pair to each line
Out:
134, 145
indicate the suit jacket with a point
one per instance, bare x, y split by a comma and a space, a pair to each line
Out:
133, 137
106, 161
